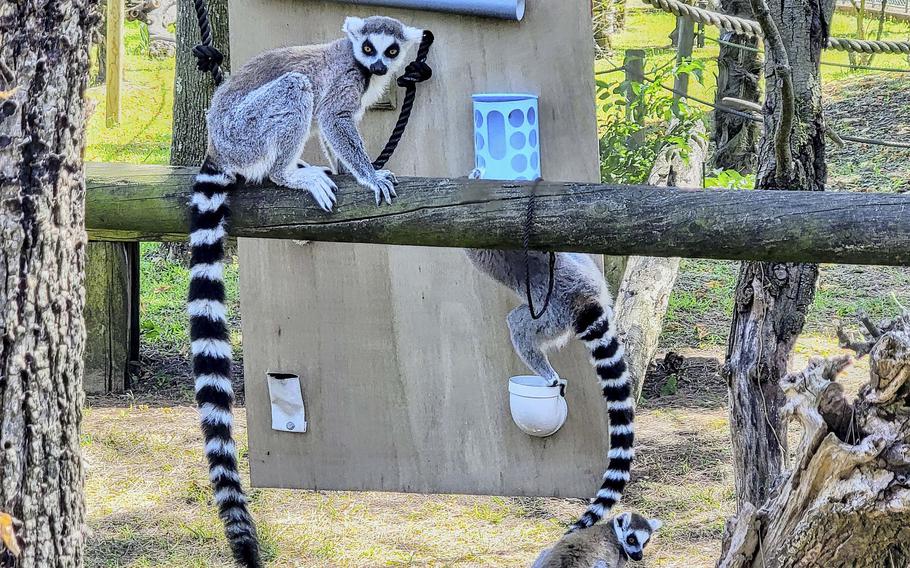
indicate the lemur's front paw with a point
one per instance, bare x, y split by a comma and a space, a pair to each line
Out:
383, 186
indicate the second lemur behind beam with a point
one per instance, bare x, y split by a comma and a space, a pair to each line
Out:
580, 303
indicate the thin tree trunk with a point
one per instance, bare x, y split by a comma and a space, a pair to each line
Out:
192, 89
43, 72
643, 296
193, 93
772, 298
738, 71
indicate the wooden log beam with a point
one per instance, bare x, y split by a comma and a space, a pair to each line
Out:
128, 203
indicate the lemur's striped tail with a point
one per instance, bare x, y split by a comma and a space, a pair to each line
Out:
211, 348
594, 326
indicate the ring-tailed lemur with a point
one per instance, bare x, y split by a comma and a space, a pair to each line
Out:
608, 545
580, 302
258, 124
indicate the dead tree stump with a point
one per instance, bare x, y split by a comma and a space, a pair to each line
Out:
845, 499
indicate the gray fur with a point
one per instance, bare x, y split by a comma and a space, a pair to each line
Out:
602, 546
261, 118
580, 302
578, 281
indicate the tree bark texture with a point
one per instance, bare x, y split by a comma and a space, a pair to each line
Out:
772, 298
845, 500
43, 69
643, 296
193, 89
148, 203
736, 138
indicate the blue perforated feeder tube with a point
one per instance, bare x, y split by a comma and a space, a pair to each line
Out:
506, 136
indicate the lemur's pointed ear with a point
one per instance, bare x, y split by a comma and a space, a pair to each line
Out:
655, 524
413, 34
624, 520
352, 25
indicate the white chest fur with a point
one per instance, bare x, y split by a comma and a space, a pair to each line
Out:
377, 88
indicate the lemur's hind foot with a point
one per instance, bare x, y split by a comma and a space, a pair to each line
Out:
313, 179
301, 164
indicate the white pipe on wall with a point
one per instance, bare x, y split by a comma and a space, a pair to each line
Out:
505, 9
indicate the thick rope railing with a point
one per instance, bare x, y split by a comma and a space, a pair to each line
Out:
868, 45
704, 16
752, 28
825, 63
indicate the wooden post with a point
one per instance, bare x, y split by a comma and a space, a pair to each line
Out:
109, 315
634, 64
700, 37
683, 52
114, 48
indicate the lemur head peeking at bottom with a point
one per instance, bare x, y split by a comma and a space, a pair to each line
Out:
633, 532
379, 42
605, 545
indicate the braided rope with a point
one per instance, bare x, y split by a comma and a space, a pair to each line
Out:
868, 45
526, 246
703, 16
751, 28
209, 57
416, 72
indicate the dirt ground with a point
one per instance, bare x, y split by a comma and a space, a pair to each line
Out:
150, 505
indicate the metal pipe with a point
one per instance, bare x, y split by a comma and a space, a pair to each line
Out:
505, 9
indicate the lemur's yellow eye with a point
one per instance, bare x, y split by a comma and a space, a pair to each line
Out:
391, 52
368, 48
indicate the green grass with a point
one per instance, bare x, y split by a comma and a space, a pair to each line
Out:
701, 304
162, 307
147, 99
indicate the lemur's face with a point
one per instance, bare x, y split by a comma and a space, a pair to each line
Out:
634, 531
380, 43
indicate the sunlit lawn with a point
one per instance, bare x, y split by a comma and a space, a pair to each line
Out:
147, 98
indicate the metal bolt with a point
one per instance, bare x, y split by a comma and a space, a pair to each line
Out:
289, 425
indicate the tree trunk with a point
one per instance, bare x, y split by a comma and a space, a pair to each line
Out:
642, 298
845, 501
193, 89
737, 76
609, 18
43, 72
772, 298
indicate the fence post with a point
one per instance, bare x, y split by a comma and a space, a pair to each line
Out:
110, 312
684, 51
114, 61
634, 64
700, 36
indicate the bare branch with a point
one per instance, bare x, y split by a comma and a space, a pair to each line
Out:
874, 330
781, 61
861, 348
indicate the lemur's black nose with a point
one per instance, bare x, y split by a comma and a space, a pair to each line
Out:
378, 68
636, 555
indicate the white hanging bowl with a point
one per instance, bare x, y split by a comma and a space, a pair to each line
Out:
537, 408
